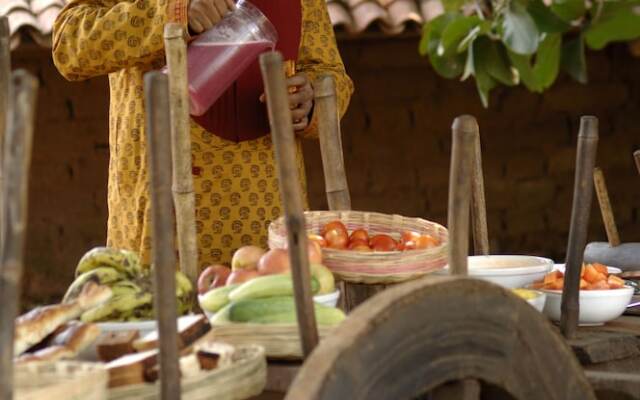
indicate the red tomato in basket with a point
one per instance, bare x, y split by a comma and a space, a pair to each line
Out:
318, 239
359, 234
334, 225
336, 239
408, 236
359, 245
383, 243
426, 242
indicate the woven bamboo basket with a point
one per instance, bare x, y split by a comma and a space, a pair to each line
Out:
280, 341
68, 380
375, 267
246, 377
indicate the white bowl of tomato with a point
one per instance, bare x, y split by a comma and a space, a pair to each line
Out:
603, 297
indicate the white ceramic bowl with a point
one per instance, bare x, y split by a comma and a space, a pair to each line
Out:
596, 306
508, 271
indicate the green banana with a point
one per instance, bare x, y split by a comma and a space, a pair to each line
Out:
123, 260
117, 308
122, 288
101, 276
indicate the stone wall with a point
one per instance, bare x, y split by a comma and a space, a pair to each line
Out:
396, 143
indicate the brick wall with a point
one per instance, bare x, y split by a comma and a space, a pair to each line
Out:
396, 143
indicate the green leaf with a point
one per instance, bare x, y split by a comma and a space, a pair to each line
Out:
455, 32
447, 66
548, 60
522, 63
618, 21
482, 28
545, 19
573, 59
468, 66
494, 60
569, 10
453, 5
484, 81
520, 33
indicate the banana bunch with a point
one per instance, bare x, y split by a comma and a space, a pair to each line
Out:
130, 283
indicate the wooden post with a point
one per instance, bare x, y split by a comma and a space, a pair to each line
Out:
164, 259
335, 176
460, 192
478, 203
16, 160
636, 157
605, 208
183, 195
5, 72
582, 195
284, 145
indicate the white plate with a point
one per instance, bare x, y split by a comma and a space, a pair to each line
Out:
143, 327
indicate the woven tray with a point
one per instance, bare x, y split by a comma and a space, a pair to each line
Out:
280, 341
245, 378
67, 380
375, 267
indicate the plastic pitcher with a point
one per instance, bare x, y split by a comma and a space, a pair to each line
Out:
219, 56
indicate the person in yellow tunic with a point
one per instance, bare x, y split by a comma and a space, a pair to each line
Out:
233, 161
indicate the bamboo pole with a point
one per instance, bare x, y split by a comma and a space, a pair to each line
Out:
164, 259
478, 202
285, 151
582, 196
605, 208
5, 72
183, 195
335, 177
16, 160
460, 193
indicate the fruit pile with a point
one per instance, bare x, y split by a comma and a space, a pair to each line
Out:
335, 235
592, 277
131, 285
259, 289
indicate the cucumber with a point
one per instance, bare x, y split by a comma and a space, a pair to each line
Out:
268, 286
217, 298
274, 310
221, 317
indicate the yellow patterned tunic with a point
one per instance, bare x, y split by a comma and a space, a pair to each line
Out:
236, 184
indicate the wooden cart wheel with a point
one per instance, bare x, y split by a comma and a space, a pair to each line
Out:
428, 338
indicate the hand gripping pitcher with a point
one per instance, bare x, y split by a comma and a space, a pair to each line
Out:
216, 58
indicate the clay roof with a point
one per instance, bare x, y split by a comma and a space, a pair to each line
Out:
34, 18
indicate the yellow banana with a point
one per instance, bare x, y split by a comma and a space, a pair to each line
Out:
101, 276
123, 260
117, 307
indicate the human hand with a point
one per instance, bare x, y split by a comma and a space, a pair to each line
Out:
204, 14
300, 100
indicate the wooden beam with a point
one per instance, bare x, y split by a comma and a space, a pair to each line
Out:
460, 193
291, 192
156, 89
183, 195
581, 209
605, 208
15, 188
5, 104
478, 201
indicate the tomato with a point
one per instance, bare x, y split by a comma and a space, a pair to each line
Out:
426, 241
334, 225
359, 234
401, 246
358, 243
383, 243
318, 239
410, 245
408, 236
336, 239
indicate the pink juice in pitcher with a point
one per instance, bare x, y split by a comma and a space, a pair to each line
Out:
213, 67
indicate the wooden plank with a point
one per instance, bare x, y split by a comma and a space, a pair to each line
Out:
614, 385
478, 201
598, 346
605, 208
156, 89
462, 154
280, 375
335, 177
5, 103
467, 389
16, 164
284, 145
582, 195
183, 194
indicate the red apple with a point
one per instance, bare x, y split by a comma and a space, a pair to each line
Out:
275, 261
212, 277
246, 257
241, 276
